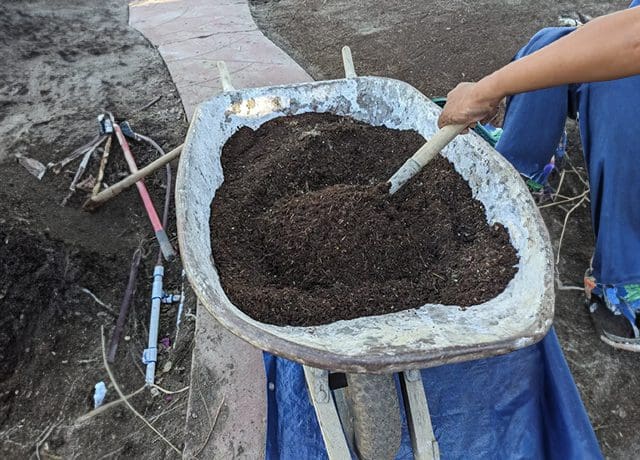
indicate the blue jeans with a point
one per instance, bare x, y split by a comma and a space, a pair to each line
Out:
609, 120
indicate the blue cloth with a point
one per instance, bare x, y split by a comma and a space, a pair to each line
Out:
521, 405
608, 120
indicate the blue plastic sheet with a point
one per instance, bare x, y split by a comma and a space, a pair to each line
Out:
521, 405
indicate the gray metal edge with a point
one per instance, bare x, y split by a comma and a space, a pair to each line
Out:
289, 342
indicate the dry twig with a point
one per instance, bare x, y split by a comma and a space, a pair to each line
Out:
169, 392
106, 407
568, 200
107, 307
148, 104
564, 226
43, 437
124, 398
563, 287
213, 425
173, 406
562, 174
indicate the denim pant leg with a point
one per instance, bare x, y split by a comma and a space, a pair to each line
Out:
610, 130
609, 119
534, 121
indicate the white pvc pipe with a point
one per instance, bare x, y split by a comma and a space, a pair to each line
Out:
150, 355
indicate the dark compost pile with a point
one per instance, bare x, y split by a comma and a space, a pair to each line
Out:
305, 233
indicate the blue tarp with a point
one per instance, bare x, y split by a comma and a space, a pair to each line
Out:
522, 405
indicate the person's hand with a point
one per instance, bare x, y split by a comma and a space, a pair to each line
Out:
467, 104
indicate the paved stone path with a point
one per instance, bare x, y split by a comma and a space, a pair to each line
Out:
191, 36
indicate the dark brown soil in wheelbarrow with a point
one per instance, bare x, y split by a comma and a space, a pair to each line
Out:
305, 233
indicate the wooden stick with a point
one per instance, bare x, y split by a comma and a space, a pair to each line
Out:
81, 169
95, 201
423, 155
225, 78
103, 164
93, 144
347, 60
124, 306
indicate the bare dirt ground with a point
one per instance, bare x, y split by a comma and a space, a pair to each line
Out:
63, 64
434, 45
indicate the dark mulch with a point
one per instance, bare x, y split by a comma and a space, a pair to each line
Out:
305, 233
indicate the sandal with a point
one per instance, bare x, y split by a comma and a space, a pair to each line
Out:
614, 321
614, 329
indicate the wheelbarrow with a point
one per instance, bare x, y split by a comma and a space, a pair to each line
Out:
362, 418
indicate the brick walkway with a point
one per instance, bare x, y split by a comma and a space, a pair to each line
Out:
191, 36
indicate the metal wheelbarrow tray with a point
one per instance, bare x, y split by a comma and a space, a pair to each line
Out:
421, 337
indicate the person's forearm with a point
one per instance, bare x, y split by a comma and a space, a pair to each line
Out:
604, 49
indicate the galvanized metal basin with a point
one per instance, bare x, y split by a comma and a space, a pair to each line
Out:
427, 336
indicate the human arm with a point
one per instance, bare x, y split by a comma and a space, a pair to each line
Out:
606, 48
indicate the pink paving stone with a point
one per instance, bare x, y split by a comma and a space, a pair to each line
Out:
213, 48
242, 46
225, 368
191, 36
186, 27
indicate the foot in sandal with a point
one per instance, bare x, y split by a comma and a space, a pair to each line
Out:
614, 312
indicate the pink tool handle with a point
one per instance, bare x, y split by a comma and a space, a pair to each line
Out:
161, 235
142, 189
151, 211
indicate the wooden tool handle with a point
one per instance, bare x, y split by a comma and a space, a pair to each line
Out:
225, 77
423, 155
440, 140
